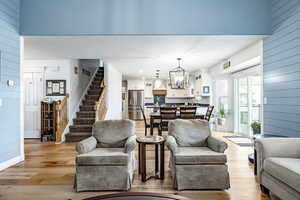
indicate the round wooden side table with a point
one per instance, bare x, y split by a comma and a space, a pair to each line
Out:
159, 143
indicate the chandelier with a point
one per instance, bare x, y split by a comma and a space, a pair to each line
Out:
179, 78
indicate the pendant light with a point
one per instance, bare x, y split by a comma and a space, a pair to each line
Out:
178, 77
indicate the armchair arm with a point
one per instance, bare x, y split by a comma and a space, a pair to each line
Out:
130, 144
275, 147
86, 145
216, 144
171, 143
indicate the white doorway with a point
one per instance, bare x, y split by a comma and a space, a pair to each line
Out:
33, 94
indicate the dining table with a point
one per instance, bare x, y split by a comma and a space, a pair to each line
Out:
156, 115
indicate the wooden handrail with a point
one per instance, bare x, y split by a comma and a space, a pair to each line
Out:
63, 102
100, 106
62, 118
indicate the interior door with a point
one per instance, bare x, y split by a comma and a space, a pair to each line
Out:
33, 94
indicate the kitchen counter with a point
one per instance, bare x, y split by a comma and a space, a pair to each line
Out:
148, 105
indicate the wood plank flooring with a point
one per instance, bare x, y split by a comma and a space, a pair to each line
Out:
48, 173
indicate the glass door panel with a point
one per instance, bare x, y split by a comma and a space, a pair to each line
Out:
255, 98
248, 103
243, 106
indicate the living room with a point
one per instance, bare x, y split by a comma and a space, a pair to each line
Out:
236, 72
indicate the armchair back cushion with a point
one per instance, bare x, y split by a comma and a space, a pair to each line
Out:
190, 133
113, 133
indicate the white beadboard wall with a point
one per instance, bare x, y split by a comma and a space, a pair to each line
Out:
282, 71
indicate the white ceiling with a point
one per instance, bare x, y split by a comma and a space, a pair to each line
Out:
140, 56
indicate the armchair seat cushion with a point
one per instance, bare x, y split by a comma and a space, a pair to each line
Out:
198, 156
104, 157
285, 169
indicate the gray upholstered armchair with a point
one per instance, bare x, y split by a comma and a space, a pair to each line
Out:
278, 167
106, 159
197, 159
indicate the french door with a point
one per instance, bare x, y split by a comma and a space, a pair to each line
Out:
247, 103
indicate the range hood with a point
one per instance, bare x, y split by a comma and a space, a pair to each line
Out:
159, 84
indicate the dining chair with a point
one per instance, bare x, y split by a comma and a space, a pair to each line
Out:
188, 112
147, 125
166, 114
208, 113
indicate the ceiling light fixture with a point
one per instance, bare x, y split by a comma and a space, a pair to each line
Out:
179, 78
157, 82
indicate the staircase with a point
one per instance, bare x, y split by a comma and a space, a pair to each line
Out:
83, 123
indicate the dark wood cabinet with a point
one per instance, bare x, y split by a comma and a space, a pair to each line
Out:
48, 120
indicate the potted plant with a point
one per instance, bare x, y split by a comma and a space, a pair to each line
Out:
221, 118
157, 100
256, 127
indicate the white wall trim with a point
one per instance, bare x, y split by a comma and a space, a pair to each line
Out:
113, 83
21, 100
11, 162
262, 86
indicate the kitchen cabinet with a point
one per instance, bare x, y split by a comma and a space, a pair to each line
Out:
198, 87
136, 84
179, 93
199, 91
159, 84
203, 84
148, 89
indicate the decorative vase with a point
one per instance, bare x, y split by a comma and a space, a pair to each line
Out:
221, 121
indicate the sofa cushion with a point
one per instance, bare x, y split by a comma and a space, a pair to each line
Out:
286, 170
113, 133
190, 133
103, 156
198, 156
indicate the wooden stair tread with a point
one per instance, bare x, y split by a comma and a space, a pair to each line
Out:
84, 118
79, 133
85, 112
81, 125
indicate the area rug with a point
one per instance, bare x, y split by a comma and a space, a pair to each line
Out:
240, 140
137, 196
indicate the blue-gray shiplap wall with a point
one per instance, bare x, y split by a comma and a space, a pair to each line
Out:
282, 71
10, 70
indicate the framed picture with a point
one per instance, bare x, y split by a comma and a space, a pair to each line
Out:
56, 87
86, 72
206, 90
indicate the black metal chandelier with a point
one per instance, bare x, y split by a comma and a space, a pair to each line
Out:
178, 77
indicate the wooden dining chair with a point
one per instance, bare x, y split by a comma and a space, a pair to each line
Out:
147, 125
208, 113
188, 112
166, 114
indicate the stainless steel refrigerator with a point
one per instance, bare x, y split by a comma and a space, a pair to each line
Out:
135, 100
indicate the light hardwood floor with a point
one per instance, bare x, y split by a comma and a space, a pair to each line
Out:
48, 173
